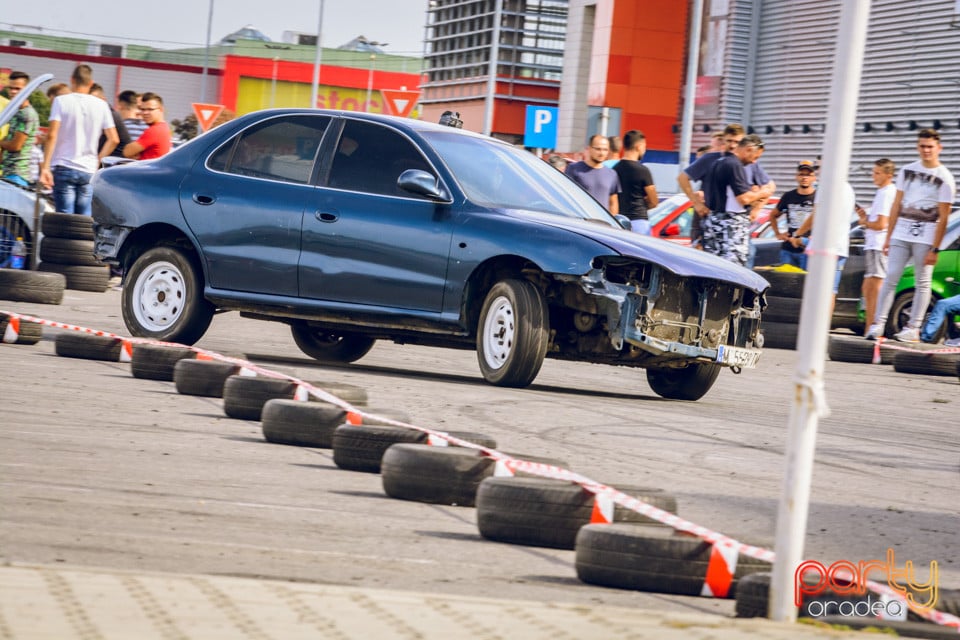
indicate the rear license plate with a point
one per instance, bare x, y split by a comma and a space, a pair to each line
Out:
738, 357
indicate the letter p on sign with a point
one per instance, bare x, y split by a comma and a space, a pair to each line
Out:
540, 130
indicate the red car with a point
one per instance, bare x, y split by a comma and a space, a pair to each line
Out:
671, 219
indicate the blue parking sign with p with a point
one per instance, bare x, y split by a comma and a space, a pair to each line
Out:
540, 130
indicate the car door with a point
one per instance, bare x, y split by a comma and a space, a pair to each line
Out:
245, 203
365, 241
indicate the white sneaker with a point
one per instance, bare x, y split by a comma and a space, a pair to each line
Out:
907, 335
952, 342
874, 332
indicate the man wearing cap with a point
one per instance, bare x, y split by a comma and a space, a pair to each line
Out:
728, 194
797, 204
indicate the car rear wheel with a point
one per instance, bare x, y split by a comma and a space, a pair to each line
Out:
689, 383
163, 298
512, 334
330, 346
899, 316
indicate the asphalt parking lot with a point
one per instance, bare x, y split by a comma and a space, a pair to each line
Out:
102, 469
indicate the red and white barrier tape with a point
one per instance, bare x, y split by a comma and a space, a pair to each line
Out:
905, 346
725, 551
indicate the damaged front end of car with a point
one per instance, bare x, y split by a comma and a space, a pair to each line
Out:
642, 314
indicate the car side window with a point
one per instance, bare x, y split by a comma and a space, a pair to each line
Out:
371, 157
281, 149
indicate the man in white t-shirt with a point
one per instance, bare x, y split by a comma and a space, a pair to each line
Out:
76, 121
918, 220
874, 222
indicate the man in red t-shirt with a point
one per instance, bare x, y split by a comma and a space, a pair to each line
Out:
155, 141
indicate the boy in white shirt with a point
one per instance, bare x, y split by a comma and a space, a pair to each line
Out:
874, 221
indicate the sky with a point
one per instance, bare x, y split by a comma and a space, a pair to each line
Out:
183, 23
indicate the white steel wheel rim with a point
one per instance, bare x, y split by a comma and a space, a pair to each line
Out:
499, 332
159, 296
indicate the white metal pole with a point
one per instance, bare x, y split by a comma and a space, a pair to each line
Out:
832, 223
690, 90
315, 85
206, 57
492, 72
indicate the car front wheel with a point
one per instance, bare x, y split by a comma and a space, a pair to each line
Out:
330, 346
163, 298
690, 383
512, 334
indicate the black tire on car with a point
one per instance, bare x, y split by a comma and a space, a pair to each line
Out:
31, 286
67, 225
29, 333
79, 277
928, 362
782, 309
544, 512
512, 333
689, 383
899, 316
157, 362
74, 344
361, 447
649, 558
330, 346
163, 297
857, 349
784, 284
68, 251
779, 335
244, 396
202, 377
439, 475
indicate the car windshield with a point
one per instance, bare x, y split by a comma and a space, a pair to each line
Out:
660, 211
499, 176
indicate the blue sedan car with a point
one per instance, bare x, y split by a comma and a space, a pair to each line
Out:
354, 227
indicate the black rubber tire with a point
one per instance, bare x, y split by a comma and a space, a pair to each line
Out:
244, 396
361, 447
160, 270
779, 335
782, 309
31, 286
543, 512
68, 251
330, 346
784, 284
67, 225
439, 475
156, 362
649, 558
690, 383
899, 315
74, 344
928, 363
80, 278
857, 349
311, 424
30, 332
202, 377
513, 309
753, 597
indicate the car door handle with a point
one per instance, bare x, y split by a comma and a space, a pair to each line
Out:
326, 216
203, 199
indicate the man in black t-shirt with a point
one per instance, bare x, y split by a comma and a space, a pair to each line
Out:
797, 205
638, 193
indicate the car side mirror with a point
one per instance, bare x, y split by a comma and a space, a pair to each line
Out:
671, 230
624, 221
422, 183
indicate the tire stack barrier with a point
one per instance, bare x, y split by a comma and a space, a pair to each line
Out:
21, 331
245, 396
782, 315
362, 447
67, 249
20, 285
312, 424
928, 362
860, 350
680, 557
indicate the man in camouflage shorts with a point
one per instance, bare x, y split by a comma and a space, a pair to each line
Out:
726, 229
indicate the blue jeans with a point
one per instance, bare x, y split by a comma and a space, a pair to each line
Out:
943, 308
72, 192
798, 260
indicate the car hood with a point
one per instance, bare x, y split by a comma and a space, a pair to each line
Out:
14, 105
680, 260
